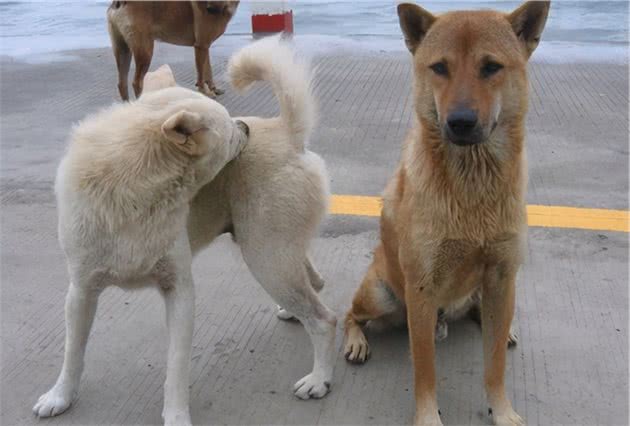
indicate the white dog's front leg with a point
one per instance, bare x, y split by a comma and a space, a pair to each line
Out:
81, 303
180, 305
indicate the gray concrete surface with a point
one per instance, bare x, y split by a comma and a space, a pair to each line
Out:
570, 367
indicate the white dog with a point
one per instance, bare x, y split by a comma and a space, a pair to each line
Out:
124, 192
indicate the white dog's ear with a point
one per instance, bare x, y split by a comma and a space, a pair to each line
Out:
161, 78
179, 128
528, 22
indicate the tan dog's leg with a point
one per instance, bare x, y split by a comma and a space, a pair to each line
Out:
373, 300
475, 315
201, 61
142, 53
208, 77
497, 309
122, 54
421, 319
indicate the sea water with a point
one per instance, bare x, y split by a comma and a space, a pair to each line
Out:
576, 30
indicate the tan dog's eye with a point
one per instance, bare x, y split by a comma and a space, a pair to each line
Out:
490, 68
439, 68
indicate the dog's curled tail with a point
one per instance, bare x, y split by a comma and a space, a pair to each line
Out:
272, 60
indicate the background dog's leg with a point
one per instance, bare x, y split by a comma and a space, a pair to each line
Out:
81, 303
421, 319
179, 300
201, 61
372, 301
317, 282
497, 309
122, 54
142, 54
208, 77
281, 271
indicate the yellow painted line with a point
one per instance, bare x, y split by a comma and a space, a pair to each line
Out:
542, 216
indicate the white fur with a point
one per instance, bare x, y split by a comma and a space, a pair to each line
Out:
123, 192
272, 60
274, 196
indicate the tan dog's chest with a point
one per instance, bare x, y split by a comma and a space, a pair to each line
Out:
450, 246
455, 267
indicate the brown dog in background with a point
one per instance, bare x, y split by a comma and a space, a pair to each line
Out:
134, 25
453, 225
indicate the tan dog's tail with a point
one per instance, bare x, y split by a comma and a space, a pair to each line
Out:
272, 60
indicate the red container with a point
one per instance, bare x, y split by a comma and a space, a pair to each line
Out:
275, 23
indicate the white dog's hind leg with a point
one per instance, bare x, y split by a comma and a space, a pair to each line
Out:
81, 303
179, 298
316, 279
317, 282
284, 276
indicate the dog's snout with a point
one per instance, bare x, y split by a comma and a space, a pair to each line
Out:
462, 122
462, 126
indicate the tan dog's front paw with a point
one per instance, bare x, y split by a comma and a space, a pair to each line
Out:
357, 350
431, 418
508, 417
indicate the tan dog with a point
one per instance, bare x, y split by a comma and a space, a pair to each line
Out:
134, 25
453, 225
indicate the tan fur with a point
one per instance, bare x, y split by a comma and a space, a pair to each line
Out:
135, 25
453, 220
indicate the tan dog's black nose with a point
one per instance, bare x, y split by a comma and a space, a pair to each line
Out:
462, 127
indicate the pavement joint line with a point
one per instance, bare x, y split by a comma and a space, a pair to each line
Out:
537, 215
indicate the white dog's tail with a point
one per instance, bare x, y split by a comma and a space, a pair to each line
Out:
272, 60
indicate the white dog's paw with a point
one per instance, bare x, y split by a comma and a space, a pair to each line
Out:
54, 402
177, 418
507, 418
311, 386
285, 315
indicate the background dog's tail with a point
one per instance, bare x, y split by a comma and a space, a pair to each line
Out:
272, 60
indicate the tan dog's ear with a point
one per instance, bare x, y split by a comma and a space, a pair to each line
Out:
161, 78
414, 23
179, 128
528, 22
